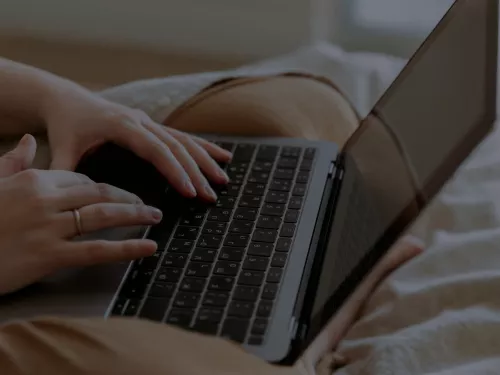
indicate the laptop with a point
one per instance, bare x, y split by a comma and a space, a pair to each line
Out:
302, 223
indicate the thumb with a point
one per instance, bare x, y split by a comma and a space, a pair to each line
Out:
63, 159
20, 158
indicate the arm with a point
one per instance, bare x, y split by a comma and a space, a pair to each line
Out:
26, 94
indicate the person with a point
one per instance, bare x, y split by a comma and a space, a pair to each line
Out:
44, 210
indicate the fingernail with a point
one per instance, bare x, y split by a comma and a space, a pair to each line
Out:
156, 214
223, 175
24, 140
210, 192
189, 186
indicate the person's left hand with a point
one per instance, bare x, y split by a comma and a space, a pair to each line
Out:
77, 122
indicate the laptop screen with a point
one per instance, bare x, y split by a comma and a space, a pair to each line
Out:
425, 125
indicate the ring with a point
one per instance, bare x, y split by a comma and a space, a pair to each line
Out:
78, 222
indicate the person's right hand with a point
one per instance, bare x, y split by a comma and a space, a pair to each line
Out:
37, 222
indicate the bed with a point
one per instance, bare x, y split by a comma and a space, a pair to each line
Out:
440, 314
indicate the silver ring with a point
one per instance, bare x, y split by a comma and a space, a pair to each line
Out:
78, 222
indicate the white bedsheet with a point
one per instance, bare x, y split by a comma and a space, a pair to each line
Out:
440, 314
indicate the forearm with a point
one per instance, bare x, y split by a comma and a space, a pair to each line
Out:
27, 95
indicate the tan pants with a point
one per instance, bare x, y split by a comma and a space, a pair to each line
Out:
282, 106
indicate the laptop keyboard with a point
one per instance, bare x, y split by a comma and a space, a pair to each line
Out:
218, 267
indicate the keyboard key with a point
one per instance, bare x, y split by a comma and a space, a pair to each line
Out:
241, 309
221, 283
210, 314
265, 235
274, 275
255, 263
254, 189
175, 260
235, 329
267, 153
260, 249
119, 306
299, 190
291, 216
243, 152
133, 289
244, 213
238, 168
241, 227
262, 166
269, 222
283, 244
232, 190
252, 278
214, 227
287, 230
273, 209
264, 309
161, 233
180, 246
204, 327
192, 219
218, 299
180, 317
281, 185
169, 274
186, 300
162, 290
284, 174
302, 177
258, 177
226, 268
154, 309
259, 326
219, 214
295, 203
132, 307
236, 178
286, 162
210, 240
250, 201
150, 263
277, 197
187, 233
293, 152
309, 153
198, 269
204, 255
234, 254
279, 260
226, 202
237, 240
306, 165
270, 291
256, 340
192, 284
246, 293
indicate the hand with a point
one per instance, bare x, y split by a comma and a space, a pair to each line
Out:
320, 357
37, 222
80, 121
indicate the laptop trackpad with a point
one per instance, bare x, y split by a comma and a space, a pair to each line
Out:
79, 292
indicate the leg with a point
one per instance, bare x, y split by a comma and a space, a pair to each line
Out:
284, 106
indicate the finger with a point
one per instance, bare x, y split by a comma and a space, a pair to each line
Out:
199, 181
205, 162
101, 216
20, 158
78, 196
216, 152
87, 253
147, 146
63, 179
402, 252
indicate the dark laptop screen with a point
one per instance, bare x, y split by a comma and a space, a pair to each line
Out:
427, 123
